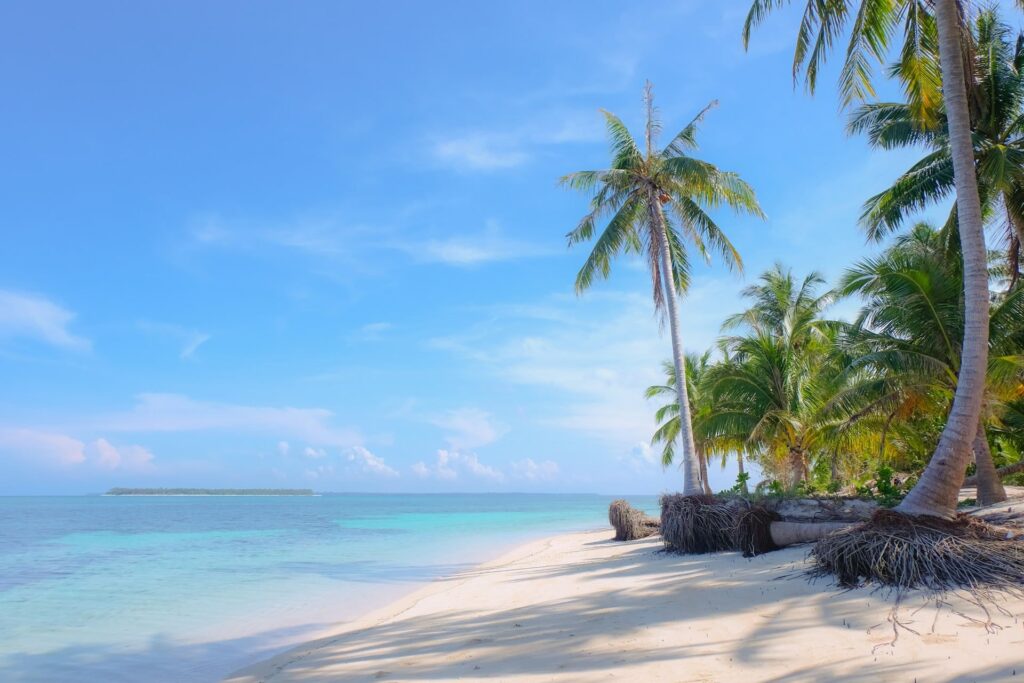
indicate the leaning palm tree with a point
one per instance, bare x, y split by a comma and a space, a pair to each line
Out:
998, 143
873, 26
909, 331
658, 202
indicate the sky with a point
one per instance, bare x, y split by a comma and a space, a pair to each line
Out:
322, 244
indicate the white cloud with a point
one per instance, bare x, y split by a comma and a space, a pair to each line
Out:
480, 151
41, 446
372, 331
369, 463
450, 464
332, 239
468, 428
178, 413
642, 458
50, 449
283, 447
134, 458
187, 339
486, 246
531, 470
29, 316
320, 472
491, 150
314, 453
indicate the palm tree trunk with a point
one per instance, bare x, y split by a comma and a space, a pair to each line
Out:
788, 533
797, 467
936, 492
693, 484
990, 488
702, 458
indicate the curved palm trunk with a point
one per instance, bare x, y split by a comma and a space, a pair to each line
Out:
693, 484
990, 488
936, 492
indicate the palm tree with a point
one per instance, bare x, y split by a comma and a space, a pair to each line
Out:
874, 22
909, 331
667, 416
658, 202
774, 391
998, 124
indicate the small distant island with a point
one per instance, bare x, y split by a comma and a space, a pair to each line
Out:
209, 492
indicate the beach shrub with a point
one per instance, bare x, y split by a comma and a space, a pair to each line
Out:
886, 488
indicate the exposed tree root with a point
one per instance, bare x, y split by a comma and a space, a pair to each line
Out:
752, 534
630, 523
903, 552
698, 524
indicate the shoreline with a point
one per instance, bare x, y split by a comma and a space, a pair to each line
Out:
580, 607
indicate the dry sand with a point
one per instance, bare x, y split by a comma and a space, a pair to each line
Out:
580, 607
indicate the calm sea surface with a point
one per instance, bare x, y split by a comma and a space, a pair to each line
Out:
182, 589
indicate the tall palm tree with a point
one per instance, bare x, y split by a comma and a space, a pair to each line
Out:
998, 124
873, 24
909, 333
658, 202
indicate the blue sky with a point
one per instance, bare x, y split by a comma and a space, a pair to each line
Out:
269, 244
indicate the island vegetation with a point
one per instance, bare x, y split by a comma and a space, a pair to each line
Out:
207, 492
924, 387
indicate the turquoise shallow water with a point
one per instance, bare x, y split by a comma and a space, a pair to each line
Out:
182, 589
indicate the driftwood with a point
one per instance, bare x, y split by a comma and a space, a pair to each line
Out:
630, 523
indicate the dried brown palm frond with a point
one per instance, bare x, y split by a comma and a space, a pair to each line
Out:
630, 523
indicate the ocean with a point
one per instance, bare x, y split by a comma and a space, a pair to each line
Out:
189, 589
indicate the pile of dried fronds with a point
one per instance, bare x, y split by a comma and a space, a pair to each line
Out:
922, 552
698, 524
630, 523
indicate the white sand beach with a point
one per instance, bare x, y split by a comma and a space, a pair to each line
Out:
580, 607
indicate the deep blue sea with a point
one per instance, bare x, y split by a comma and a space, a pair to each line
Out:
99, 588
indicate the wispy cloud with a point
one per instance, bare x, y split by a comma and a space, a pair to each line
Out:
332, 240
36, 318
468, 428
178, 413
42, 446
188, 340
531, 470
480, 151
496, 149
472, 249
597, 355
372, 331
